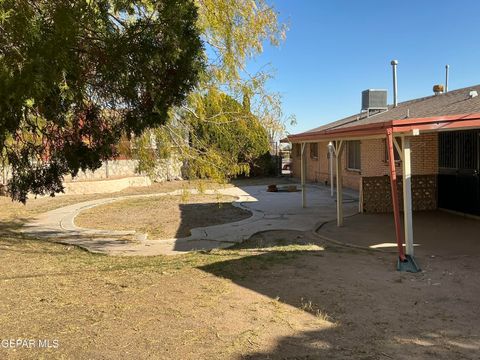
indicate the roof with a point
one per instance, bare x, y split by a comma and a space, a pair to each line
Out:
446, 105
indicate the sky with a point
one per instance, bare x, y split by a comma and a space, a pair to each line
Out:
337, 48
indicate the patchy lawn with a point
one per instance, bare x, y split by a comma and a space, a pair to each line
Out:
156, 307
163, 217
13, 214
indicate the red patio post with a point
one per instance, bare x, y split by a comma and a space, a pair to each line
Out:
393, 184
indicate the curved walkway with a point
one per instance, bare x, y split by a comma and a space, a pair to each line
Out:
270, 211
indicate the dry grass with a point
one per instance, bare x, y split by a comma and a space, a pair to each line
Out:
292, 302
13, 214
163, 217
279, 295
153, 307
14, 210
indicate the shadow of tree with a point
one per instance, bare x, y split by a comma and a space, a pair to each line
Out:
11, 227
377, 313
207, 214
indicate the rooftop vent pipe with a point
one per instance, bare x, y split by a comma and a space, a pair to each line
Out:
446, 77
394, 64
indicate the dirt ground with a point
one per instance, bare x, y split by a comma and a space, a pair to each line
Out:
435, 232
279, 295
163, 217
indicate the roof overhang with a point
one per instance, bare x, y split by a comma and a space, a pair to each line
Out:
400, 127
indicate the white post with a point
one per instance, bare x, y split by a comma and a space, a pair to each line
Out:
302, 175
4, 171
360, 197
338, 153
330, 152
407, 195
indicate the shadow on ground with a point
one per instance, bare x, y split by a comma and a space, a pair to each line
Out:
375, 312
207, 214
435, 232
10, 227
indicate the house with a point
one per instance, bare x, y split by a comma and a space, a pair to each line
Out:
435, 143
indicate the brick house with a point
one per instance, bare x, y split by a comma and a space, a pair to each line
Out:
365, 169
435, 143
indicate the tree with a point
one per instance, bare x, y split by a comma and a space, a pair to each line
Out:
233, 135
76, 75
223, 142
234, 31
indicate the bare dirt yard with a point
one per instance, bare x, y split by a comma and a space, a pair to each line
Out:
163, 217
279, 295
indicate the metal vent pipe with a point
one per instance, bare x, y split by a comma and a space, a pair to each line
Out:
394, 64
446, 77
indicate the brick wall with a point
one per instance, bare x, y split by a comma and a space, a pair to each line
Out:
317, 168
424, 156
373, 161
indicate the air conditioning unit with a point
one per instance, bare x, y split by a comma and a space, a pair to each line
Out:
374, 99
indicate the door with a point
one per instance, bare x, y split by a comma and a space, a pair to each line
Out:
459, 171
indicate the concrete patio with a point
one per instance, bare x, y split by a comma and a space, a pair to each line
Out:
435, 232
438, 233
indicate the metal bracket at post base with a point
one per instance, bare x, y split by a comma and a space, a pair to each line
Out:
408, 265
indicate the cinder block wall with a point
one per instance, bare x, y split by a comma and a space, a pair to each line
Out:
112, 168
168, 169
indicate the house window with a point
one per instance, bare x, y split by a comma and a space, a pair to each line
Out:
353, 155
314, 150
395, 151
297, 150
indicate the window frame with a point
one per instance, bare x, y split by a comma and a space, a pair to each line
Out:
313, 154
297, 150
396, 154
359, 149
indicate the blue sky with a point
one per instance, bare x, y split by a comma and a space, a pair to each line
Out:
337, 48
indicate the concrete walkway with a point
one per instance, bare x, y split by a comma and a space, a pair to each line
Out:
270, 211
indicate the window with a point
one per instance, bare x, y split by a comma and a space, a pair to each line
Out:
297, 150
353, 155
314, 150
459, 149
395, 151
